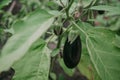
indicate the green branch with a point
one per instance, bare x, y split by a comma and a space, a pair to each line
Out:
79, 28
67, 9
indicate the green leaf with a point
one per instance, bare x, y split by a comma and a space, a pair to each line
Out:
68, 71
86, 3
59, 3
105, 7
112, 10
117, 41
53, 76
4, 3
84, 66
112, 13
35, 64
116, 26
27, 31
55, 52
104, 55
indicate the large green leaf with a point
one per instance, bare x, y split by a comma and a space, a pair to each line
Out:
27, 31
4, 2
103, 54
35, 64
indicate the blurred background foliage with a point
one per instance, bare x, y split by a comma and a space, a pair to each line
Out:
98, 13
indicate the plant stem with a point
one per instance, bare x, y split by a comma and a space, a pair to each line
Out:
67, 9
79, 28
62, 3
12, 6
59, 42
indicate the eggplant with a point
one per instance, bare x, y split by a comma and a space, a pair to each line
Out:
72, 52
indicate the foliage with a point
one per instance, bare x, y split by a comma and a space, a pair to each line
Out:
27, 29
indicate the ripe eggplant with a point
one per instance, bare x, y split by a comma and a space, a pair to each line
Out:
72, 52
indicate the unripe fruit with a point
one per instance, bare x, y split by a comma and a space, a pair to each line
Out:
58, 30
72, 52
